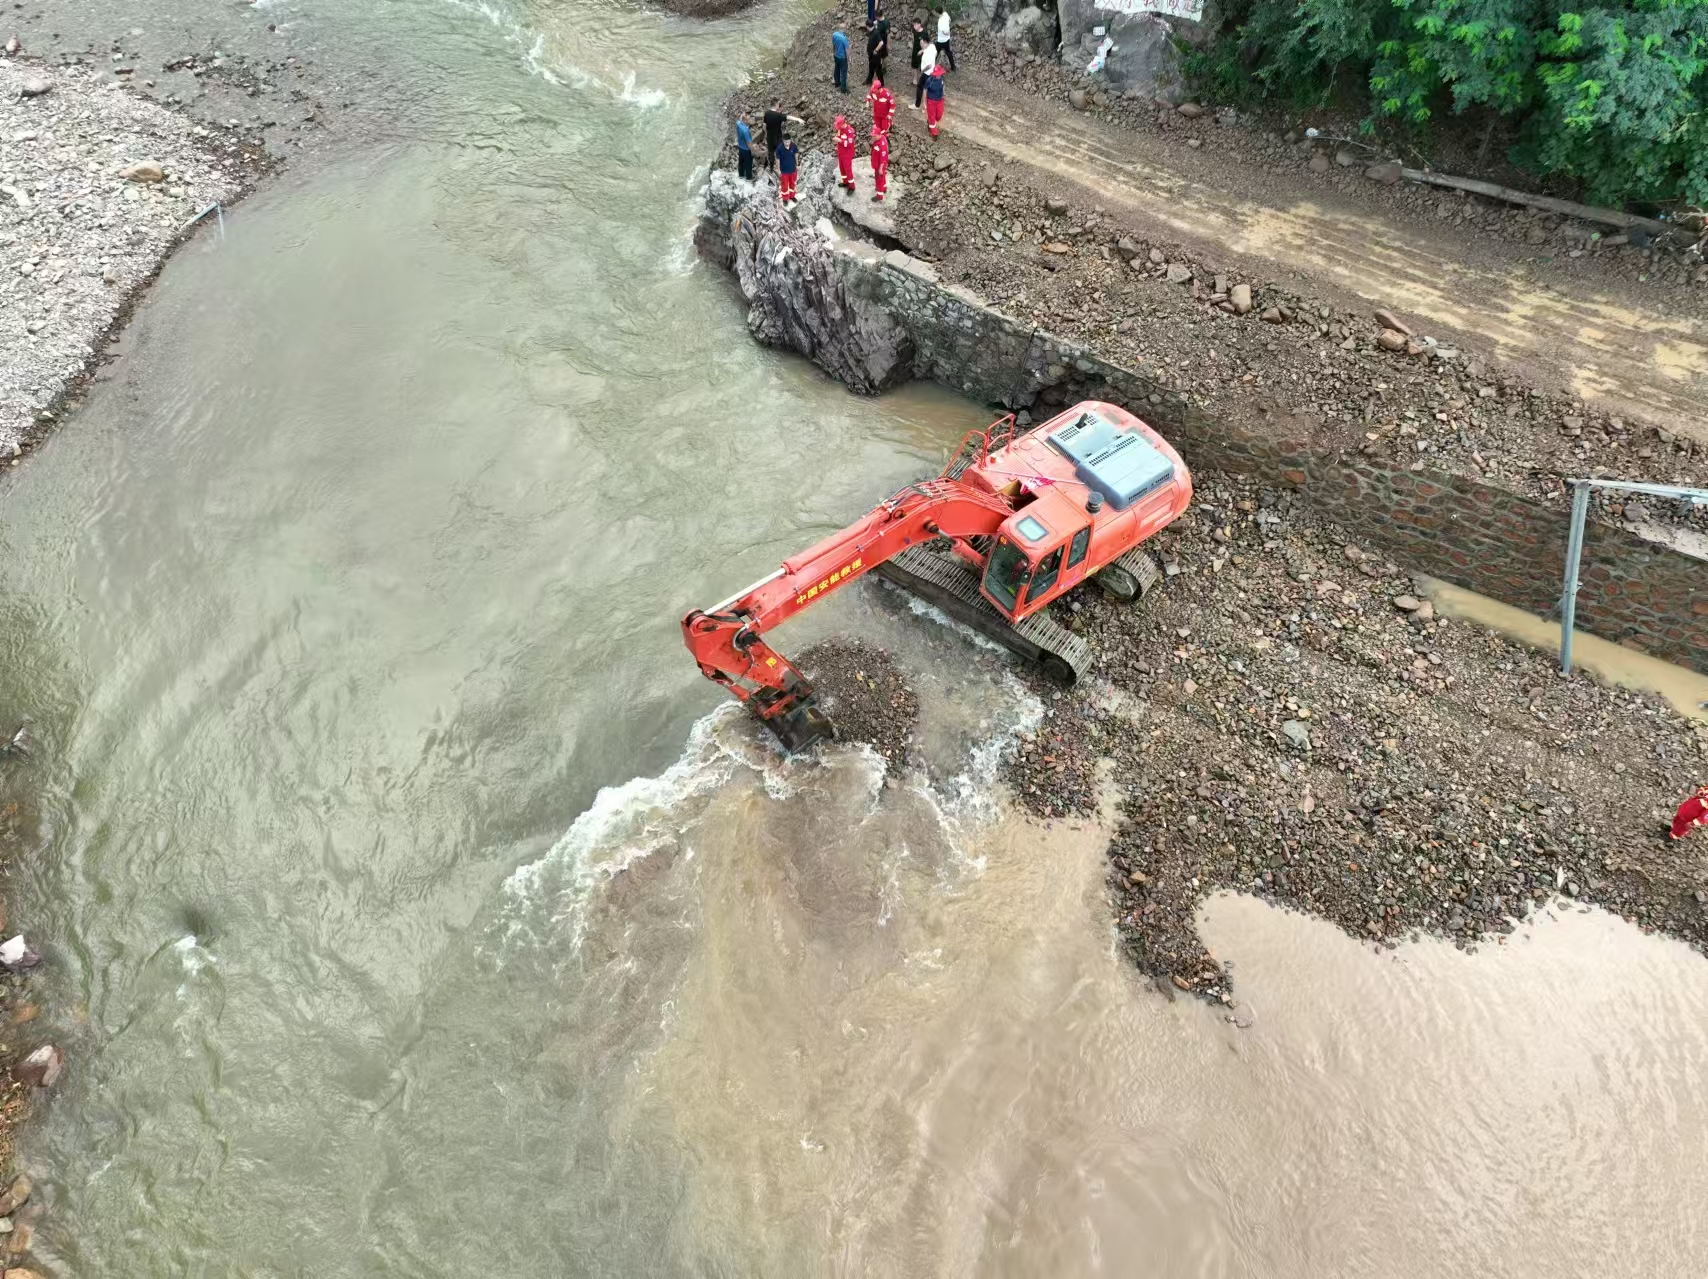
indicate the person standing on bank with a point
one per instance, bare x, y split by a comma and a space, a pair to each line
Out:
913, 54
927, 61
877, 47
839, 51
743, 149
775, 119
880, 165
934, 100
883, 106
787, 159
846, 141
945, 50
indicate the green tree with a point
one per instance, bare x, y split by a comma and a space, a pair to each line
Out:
1612, 93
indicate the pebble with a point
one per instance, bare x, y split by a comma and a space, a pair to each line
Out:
35, 86
1240, 296
1389, 340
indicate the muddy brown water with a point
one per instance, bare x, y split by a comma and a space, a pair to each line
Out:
412, 908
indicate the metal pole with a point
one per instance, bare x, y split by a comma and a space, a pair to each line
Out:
1574, 553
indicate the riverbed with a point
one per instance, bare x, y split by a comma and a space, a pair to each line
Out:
413, 907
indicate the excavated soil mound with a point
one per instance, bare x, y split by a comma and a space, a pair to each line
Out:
865, 695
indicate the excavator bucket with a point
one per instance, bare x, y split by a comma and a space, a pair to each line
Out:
800, 726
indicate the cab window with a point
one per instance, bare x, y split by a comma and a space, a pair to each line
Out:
1048, 569
1006, 574
1081, 542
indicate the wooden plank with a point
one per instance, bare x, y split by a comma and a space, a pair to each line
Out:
1571, 209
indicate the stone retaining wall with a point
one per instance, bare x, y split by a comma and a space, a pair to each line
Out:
1473, 534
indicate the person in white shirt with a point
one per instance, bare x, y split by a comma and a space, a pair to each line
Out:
944, 49
927, 60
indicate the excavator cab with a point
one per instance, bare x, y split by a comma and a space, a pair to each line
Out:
1039, 553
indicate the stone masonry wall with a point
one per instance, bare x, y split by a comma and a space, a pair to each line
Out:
1473, 534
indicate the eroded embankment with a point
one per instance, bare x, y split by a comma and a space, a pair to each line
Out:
1288, 718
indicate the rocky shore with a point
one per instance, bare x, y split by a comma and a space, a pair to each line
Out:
1291, 717
1239, 344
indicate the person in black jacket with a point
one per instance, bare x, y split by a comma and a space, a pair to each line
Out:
775, 118
877, 47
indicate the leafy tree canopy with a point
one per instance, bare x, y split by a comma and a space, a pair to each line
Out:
1614, 94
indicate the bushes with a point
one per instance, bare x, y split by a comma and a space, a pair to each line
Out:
1614, 95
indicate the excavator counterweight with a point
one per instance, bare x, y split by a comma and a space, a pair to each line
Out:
1015, 521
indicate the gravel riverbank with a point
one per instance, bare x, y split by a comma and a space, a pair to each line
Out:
1290, 717
97, 186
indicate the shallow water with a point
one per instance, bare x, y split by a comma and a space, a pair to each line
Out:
356, 583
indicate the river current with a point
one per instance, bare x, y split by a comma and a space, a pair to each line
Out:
414, 908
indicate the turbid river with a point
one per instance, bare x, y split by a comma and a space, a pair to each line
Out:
413, 907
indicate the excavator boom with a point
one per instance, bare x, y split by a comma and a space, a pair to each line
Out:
726, 640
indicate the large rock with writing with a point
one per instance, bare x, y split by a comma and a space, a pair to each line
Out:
800, 295
1144, 39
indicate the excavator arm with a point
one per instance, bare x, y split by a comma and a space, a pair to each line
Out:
727, 640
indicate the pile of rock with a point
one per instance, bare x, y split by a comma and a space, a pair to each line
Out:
1291, 717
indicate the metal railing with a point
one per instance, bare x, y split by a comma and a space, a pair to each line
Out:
1581, 490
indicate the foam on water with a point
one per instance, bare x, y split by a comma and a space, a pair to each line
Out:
531, 46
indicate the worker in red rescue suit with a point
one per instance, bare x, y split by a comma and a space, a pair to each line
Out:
880, 164
845, 144
787, 158
934, 100
1693, 812
883, 106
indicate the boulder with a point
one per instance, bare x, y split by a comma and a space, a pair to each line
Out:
1055, 206
143, 171
1388, 340
1319, 163
1179, 273
34, 86
1078, 100
1146, 50
995, 13
41, 1068
16, 1195
1387, 173
802, 293
1030, 30
1241, 298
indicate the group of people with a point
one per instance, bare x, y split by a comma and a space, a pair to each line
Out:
932, 56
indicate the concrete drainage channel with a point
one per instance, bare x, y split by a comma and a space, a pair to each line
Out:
874, 317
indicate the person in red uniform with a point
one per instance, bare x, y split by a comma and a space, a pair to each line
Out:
787, 158
845, 144
934, 100
883, 106
880, 164
1693, 812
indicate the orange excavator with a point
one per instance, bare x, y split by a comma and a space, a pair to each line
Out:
1017, 519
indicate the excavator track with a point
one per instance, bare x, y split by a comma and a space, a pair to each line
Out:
944, 581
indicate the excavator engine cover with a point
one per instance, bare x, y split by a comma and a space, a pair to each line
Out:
1121, 465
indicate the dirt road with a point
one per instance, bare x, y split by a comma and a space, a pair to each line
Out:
1571, 336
